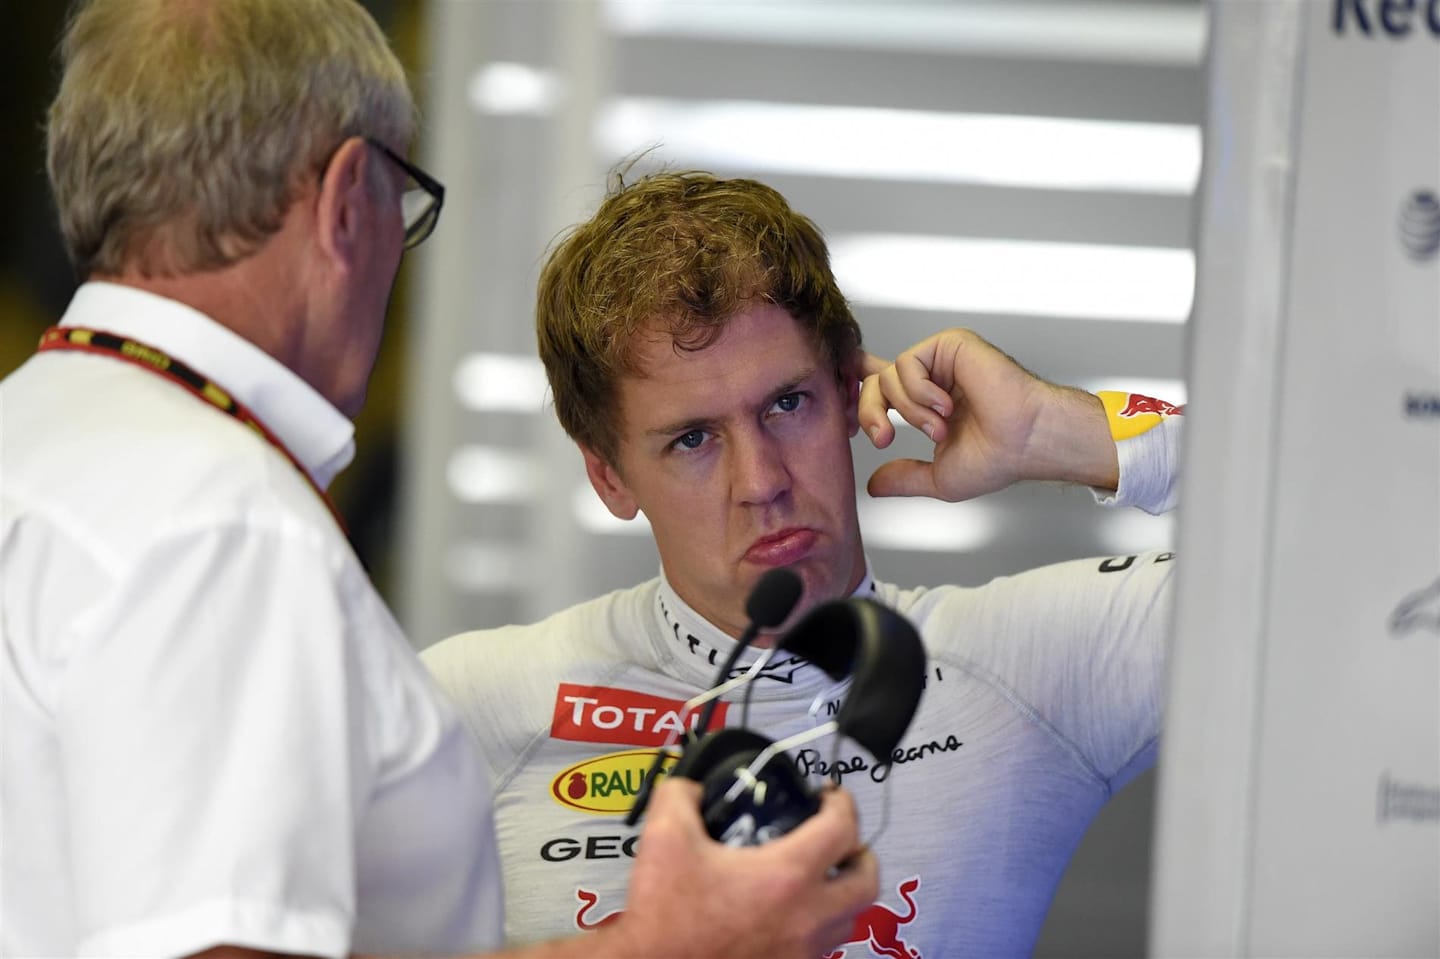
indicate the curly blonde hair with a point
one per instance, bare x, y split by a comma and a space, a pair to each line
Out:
682, 253
182, 127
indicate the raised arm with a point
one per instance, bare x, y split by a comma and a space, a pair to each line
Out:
993, 422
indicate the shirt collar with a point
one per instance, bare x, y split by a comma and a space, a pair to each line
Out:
318, 434
698, 647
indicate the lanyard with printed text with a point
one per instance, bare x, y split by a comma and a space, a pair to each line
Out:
162, 364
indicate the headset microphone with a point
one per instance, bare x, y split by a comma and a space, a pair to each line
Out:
752, 791
772, 599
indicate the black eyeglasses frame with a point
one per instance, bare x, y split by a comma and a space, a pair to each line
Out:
419, 231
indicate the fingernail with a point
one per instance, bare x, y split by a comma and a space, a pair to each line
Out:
938, 409
874, 432
929, 429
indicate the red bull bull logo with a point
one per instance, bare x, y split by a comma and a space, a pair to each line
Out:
1131, 414
878, 927
1138, 404
588, 899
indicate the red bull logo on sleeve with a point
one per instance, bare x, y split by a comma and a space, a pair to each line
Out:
1131, 414
606, 785
878, 927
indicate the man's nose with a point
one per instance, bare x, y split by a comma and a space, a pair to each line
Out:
758, 468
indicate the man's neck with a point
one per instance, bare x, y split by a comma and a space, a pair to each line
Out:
260, 298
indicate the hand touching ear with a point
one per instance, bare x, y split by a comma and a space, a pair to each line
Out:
993, 422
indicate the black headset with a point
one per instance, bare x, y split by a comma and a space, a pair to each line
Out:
751, 789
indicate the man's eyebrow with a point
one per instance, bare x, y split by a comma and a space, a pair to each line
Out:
684, 426
680, 427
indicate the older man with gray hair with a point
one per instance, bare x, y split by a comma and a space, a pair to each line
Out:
215, 737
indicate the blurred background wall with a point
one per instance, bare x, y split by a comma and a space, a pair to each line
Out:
1022, 167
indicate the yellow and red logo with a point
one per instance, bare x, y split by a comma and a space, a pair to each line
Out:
1131, 414
606, 785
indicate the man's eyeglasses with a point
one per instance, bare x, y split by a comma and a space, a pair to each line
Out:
420, 204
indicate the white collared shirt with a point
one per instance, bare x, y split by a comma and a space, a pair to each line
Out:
213, 730
317, 433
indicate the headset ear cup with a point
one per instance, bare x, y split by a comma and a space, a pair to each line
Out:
715, 761
881, 653
776, 802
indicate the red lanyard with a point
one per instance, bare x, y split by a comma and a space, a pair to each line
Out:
162, 364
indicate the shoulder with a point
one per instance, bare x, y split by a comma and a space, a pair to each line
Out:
1051, 600
125, 457
504, 682
596, 633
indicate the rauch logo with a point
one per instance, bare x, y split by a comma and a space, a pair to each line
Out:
606, 785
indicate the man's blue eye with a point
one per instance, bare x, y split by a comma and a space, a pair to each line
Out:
691, 440
788, 402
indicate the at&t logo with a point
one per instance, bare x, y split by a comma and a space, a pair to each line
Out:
1420, 225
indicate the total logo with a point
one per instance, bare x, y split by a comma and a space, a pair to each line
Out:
603, 714
606, 785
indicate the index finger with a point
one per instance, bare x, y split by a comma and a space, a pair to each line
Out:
870, 364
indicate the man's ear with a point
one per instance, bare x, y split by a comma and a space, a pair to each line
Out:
344, 207
609, 486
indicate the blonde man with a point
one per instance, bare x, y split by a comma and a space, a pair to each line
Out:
216, 740
704, 360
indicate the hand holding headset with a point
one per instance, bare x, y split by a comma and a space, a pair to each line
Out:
752, 790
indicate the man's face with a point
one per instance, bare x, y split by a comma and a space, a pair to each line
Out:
739, 456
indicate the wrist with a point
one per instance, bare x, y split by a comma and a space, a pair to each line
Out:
1071, 441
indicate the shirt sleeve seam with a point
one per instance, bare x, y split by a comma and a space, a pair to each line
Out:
1034, 716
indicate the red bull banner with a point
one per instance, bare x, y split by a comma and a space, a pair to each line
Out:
1299, 803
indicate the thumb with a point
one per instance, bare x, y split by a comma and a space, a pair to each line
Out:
904, 477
